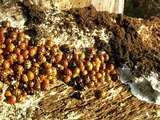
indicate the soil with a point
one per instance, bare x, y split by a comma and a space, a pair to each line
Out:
127, 46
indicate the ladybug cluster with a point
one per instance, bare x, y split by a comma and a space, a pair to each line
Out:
30, 65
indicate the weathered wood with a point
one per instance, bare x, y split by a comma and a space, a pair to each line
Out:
112, 6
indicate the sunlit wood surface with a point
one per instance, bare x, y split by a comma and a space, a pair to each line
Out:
112, 6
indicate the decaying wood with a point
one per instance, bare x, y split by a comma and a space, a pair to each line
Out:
112, 6
118, 104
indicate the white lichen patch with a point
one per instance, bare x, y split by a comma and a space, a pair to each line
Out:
145, 88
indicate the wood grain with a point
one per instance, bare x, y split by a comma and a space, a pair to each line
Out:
112, 6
